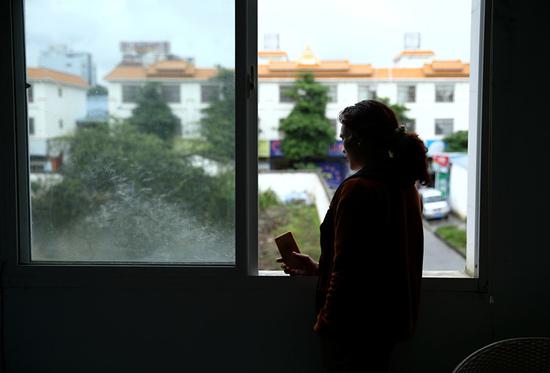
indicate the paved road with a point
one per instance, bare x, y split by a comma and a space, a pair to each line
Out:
437, 255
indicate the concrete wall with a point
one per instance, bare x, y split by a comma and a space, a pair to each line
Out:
288, 183
264, 324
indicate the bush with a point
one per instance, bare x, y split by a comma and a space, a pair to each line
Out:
268, 199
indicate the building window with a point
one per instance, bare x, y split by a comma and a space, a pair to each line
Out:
334, 125
171, 93
30, 94
410, 125
444, 127
209, 92
332, 93
59, 92
60, 122
130, 93
366, 92
444, 92
406, 94
284, 93
280, 132
31, 126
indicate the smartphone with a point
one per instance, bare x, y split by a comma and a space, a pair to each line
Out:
286, 245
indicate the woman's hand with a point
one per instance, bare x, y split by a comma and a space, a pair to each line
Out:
301, 265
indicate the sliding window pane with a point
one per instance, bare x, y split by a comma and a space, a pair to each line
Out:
130, 163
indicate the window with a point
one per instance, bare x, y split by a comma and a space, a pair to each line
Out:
171, 93
399, 82
209, 92
444, 92
130, 93
406, 94
284, 93
444, 127
334, 126
280, 132
410, 125
31, 126
366, 92
135, 191
332, 93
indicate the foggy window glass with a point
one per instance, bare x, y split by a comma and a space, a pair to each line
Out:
147, 182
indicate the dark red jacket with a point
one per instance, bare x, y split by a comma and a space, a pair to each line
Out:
370, 267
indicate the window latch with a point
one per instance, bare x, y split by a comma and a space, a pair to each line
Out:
251, 80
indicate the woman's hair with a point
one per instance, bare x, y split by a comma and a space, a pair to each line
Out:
376, 125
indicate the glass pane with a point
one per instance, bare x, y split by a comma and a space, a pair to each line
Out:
128, 161
364, 54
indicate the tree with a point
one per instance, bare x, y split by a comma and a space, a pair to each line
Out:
308, 134
218, 120
457, 142
123, 194
152, 115
97, 90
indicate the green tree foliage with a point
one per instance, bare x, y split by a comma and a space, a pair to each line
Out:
126, 195
152, 115
457, 142
307, 132
218, 120
268, 199
97, 90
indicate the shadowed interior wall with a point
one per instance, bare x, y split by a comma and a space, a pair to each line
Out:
264, 324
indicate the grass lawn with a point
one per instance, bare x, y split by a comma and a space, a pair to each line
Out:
454, 236
297, 217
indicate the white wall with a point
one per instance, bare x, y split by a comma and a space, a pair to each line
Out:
425, 110
188, 109
458, 196
286, 183
48, 108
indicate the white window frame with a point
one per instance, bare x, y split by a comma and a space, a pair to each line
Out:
14, 157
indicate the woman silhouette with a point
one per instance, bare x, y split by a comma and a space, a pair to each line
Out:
370, 267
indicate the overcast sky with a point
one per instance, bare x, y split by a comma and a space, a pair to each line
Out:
362, 31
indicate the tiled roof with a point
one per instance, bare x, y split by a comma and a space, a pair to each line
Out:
40, 73
162, 69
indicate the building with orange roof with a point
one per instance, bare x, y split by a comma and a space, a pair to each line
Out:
56, 100
436, 92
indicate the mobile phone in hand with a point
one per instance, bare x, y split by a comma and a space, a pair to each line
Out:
286, 245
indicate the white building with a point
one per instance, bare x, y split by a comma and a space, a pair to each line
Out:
55, 101
436, 92
185, 88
